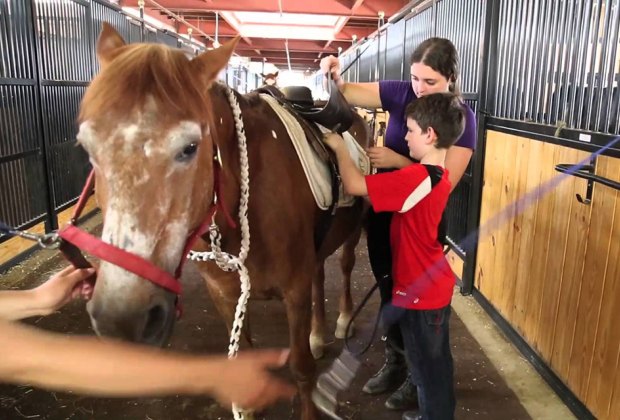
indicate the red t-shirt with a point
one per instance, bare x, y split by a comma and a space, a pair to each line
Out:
417, 194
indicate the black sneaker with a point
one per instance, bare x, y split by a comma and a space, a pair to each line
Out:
404, 398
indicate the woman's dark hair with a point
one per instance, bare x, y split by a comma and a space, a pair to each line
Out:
440, 55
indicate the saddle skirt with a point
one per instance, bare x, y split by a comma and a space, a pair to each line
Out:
316, 169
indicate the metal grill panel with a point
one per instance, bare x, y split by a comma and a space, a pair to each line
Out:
394, 55
22, 185
558, 63
456, 212
464, 30
61, 30
17, 113
15, 40
418, 28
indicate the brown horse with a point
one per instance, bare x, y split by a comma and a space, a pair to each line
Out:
151, 122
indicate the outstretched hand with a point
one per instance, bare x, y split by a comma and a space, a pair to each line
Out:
63, 287
247, 381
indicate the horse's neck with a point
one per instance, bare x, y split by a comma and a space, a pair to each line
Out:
227, 141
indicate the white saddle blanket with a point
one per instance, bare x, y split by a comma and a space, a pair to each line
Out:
317, 171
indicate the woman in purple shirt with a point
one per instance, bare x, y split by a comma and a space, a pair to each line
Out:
434, 68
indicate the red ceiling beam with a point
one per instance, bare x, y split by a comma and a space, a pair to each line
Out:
293, 45
367, 8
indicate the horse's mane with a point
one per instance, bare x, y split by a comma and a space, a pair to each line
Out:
143, 71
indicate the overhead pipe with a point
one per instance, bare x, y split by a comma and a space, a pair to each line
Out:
180, 19
288, 56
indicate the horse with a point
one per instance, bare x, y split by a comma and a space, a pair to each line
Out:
270, 79
152, 122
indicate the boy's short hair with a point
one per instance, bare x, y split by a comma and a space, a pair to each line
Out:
442, 111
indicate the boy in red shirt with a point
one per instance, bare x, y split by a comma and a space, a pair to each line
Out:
423, 280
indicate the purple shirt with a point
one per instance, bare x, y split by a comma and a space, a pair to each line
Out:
395, 96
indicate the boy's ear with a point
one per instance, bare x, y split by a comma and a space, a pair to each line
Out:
431, 135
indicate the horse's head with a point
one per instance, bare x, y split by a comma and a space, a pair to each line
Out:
270, 79
146, 122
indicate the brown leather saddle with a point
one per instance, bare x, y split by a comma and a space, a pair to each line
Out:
335, 114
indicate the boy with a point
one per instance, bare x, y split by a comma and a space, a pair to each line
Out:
423, 280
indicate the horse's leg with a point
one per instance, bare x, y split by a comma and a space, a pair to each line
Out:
347, 262
303, 367
317, 336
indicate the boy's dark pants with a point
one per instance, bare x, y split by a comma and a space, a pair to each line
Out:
427, 347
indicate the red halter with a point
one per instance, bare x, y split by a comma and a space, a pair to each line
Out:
131, 262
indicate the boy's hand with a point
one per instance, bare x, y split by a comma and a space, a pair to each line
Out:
334, 141
63, 287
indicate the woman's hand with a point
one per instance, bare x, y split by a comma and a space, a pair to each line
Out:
331, 65
63, 287
384, 157
247, 381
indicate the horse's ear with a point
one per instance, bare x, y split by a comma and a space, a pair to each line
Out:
276, 74
208, 64
262, 75
108, 43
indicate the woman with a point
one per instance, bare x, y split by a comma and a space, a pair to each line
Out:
434, 68
109, 368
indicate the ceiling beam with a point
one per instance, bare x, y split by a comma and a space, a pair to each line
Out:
367, 8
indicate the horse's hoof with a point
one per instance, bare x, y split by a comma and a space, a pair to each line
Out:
341, 327
317, 346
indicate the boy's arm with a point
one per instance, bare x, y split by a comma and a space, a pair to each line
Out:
353, 180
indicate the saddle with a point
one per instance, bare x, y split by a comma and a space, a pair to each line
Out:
336, 115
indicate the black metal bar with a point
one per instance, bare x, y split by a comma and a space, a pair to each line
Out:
51, 221
17, 156
486, 83
565, 394
587, 173
546, 133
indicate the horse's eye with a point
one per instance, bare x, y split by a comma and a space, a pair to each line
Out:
188, 152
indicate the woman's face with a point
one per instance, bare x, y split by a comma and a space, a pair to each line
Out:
425, 80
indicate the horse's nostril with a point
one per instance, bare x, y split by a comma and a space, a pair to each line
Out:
155, 322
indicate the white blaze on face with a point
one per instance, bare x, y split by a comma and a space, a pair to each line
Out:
86, 136
183, 134
122, 227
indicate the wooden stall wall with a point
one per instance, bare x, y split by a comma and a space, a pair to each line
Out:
553, 271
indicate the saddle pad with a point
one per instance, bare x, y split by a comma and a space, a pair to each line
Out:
316, 170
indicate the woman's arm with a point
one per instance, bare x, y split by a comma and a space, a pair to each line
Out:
365, 95
357, 94
109, 368
457, 160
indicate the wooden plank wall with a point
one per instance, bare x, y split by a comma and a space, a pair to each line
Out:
15, 246
553, 271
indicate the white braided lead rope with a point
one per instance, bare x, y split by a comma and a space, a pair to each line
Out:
228, 262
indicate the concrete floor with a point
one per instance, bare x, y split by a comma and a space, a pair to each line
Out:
492, 379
